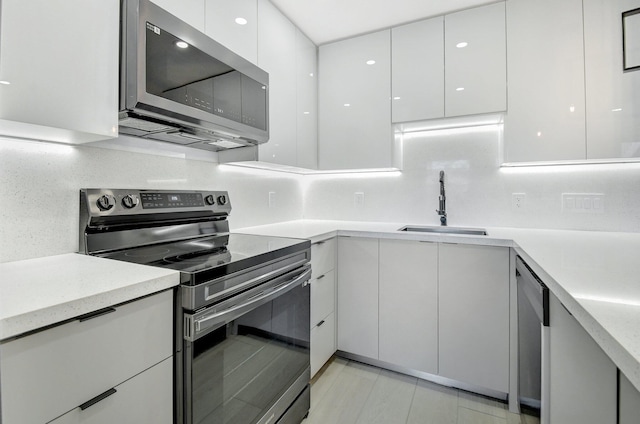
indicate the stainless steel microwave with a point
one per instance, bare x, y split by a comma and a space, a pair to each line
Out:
180, 86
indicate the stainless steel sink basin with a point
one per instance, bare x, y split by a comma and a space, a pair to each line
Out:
445, 230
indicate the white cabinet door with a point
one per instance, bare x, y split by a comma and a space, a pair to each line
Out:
190, 11
323, 342
474, 315
307, 102
417, 61
408, 321
62, 367
613, 104
358, 296
221, 25
60, 58
277, 56
354, 121
582, 377
323, 297
628, 402
546, 116
475, 61
146, 398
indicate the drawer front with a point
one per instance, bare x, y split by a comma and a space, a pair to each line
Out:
146, 398
323, 257
323, 343
323, 295
60, 368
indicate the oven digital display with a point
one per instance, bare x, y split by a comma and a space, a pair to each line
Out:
171, 200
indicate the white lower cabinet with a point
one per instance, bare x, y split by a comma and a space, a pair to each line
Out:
146, 398
52, 372
358, 296
583, 383
323, 303
408, 315
323, 342
473, 318
432, 307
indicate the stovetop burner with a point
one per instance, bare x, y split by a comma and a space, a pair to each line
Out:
210, 257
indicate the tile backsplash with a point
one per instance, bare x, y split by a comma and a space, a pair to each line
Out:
39, 185
40, 182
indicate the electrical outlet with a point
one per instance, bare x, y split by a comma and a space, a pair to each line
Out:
518, 201
272, 199
583, 203
358, 199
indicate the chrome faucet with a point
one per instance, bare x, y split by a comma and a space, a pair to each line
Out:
442, 206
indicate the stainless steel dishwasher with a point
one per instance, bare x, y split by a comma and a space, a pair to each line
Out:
533, 341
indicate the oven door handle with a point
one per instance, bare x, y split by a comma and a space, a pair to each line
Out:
204, 325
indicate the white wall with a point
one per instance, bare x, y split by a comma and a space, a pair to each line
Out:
478, 190
40, 182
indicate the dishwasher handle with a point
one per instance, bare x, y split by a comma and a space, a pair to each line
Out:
536, 292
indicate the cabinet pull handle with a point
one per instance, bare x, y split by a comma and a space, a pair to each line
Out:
321, 277
320, 323
318, 243
97, 399
95, 314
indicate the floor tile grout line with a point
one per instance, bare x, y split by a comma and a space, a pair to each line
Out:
413, 397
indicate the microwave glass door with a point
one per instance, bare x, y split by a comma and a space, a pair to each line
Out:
184, 74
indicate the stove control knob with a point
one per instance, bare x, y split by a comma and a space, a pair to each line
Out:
106, 202
222, 200
210, 200
130, 201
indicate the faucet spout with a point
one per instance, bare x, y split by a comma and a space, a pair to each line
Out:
442, 202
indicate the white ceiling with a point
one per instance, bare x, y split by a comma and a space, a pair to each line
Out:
329, 20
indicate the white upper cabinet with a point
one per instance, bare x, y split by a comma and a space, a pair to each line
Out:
613, 97
277, 56
475, 61
190, 11
59, 67
546, 117
417, 80
354, 121
307, 102
234, 24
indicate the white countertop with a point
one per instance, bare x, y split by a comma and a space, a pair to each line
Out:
39, 292
596, 275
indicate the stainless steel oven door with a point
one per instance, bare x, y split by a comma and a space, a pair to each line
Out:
246, 359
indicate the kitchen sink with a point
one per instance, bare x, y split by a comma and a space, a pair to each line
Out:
445, 230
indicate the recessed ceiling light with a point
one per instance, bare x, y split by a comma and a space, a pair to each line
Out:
371, 62
462, 45
347, 104
396, 98
3, 82
460, 89
612, 110
182, 44
241, 21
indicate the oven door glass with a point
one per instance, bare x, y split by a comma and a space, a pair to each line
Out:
237, 372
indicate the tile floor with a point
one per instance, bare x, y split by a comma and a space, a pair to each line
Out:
347, 392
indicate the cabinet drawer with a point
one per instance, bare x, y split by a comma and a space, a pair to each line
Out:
323, 257
146, 398
323, 295
323, 343
62, 367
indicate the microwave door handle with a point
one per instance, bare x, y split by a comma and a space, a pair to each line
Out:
206, 323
